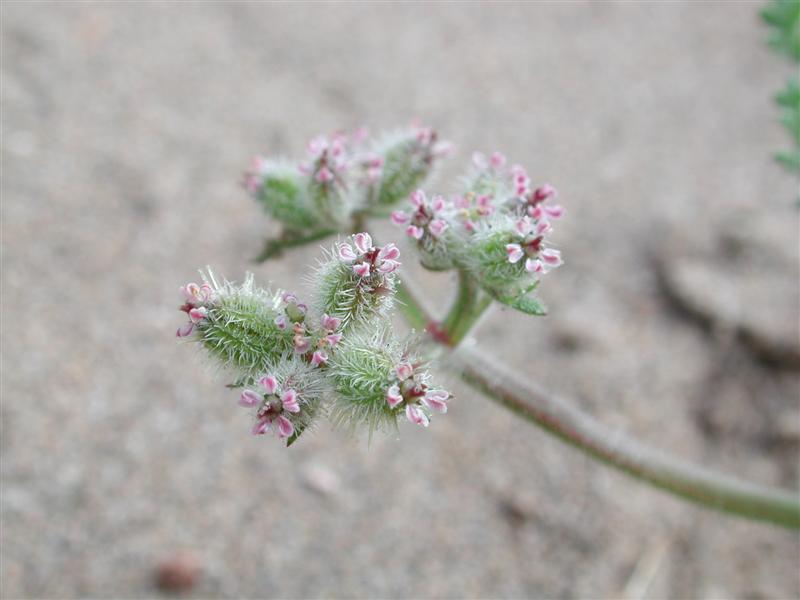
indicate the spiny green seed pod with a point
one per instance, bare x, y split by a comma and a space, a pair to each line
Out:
239, 327
356, 285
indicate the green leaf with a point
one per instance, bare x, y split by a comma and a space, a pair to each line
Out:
530, 305
298, 431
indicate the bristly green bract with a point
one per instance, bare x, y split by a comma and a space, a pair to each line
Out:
355, 300
240, 329
406, 164
284, 197
361, 370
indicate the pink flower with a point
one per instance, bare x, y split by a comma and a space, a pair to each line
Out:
514, 252
367, 259
426, 217
436, 400
415, 232
363, 242
497, 160
333, 338
196, 296
281, 322
185, 330
319, 358
301, 344
198, 314
324, 175
437, 227
400, 217
393, 396
274, 407
346, 253
330, 323
409, 390
403, 371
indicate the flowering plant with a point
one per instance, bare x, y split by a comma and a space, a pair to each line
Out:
338, 356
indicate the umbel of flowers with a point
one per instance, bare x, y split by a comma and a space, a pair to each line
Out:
296, 363
495, 229
343, 175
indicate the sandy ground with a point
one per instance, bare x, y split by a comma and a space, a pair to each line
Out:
125, 129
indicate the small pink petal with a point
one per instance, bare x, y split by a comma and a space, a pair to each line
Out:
389, 252
417, 198
543, 227
206, 291
436, 400
363, 242
260, 427
319, 358
460, 201
400, 217
544, 192
416, 415
185, 330
514, 252
330, 323
280, 321
388, 266
334, 338
346, 252
415, 232
361, 269
534, 265
269, 383
438, 203
403, 371
393, 396
289, 401
555, 211
551, 257
198, 314
523, 226
285, 427
250, 398
191, 291
469, 225
497, 160
437, 227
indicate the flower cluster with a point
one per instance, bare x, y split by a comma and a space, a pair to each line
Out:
488, 228
366, 258
275, 407
198, 298
297, 361
411, 393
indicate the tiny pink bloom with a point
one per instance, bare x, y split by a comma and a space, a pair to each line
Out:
417, 198
361, 269
324, 175
289, 401
319, 358
198, 314
437, 227
544, 192
185, 330
416, 415
469, 225
415, 232
393, 396
269, 383
191, 291
330, 323
534, 265
260, 427
438, 203
485, 204
334, 338
479, 160
497, 160
460, 201
280, 321
388, 266
515, 252
404, 371
436, 400
400, 217
249, 398
285, 427
363, 242
346, 252
301, 345
543, 227
389, 252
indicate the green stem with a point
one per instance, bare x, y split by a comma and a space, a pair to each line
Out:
275, 247
559, 417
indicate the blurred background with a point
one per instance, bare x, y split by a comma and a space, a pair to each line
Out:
126, 127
